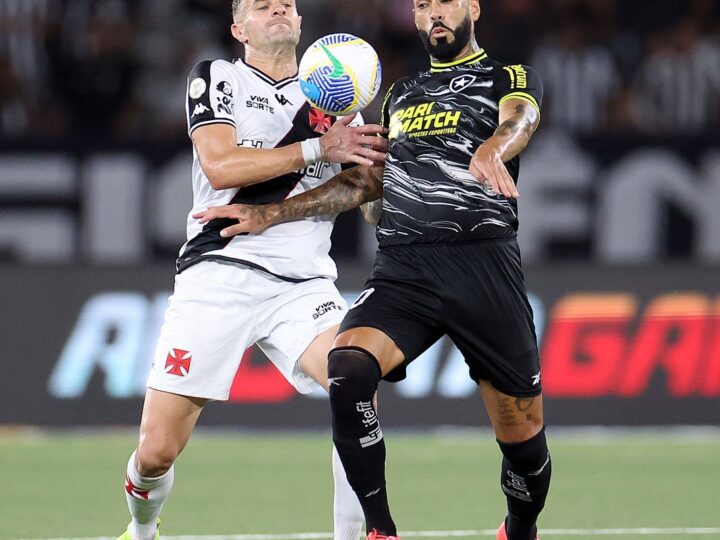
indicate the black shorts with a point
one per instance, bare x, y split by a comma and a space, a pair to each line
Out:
473, 292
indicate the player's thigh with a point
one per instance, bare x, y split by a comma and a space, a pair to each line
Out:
297, 328
314, 361
393, 321
489, 317
208, 325
167, 423
514, 419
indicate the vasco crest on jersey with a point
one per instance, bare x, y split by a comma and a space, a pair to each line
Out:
320, 121
225, 100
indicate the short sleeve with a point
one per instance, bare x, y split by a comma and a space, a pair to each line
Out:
520, 82
210, 95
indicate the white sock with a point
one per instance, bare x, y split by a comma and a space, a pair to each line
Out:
145, 498
349, 516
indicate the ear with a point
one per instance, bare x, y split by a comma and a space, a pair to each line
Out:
238, 33
475, 9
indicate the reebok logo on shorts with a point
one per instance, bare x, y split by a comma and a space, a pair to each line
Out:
178, 362
322, 309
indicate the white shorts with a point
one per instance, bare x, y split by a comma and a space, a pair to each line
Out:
218, 311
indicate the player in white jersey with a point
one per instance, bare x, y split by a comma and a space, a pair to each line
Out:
256, 140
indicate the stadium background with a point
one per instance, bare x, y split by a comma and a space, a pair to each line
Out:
620, 227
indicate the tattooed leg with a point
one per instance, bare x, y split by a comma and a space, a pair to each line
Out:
514, 419
526, 467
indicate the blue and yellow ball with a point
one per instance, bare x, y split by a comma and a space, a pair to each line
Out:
340, 74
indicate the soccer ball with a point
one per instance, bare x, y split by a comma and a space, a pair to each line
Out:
340, 74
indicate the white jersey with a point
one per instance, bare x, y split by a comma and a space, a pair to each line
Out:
266, 114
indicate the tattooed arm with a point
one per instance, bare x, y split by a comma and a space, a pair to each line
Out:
371, 211
347, 190
518, 121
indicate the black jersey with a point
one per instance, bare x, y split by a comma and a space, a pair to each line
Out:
437, 119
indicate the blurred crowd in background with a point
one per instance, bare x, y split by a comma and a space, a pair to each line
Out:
117, 69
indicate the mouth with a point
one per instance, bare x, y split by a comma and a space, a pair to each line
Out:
277, 23
440, 32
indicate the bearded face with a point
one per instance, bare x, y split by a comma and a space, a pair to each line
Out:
448, 44
446, 26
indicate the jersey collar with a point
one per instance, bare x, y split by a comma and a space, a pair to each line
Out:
282, 83
474, 58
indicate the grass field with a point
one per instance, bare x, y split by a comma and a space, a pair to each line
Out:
71, 485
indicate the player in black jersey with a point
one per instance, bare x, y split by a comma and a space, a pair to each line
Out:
448, 261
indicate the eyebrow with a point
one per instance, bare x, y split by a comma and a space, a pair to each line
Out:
255, 2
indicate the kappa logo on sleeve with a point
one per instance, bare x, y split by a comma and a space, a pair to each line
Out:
199, 109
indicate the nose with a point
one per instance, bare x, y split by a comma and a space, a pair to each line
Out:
436, 13
279, 8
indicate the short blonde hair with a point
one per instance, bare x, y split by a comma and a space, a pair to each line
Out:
237, 7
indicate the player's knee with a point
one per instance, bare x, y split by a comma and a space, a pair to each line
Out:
525, 420
521, 432
353, 376
528, 456
154, 457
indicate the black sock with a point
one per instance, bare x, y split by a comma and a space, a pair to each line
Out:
354, 375
526, 471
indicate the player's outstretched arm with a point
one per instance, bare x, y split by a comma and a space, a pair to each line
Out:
518, 121
347, 190
227, 165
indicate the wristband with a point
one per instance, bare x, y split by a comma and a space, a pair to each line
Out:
311, 150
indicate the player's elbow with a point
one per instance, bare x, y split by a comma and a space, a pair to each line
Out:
371, 212
217, 174
374, 182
